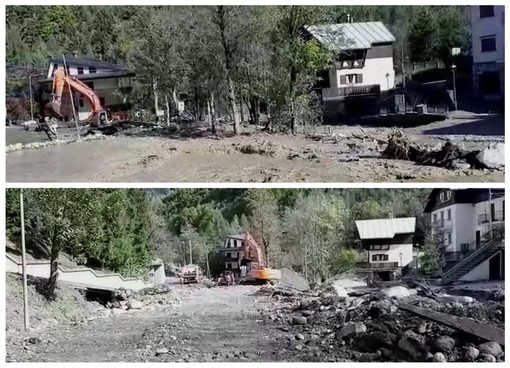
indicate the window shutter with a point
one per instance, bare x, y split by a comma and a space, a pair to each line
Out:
359, 78
343, 79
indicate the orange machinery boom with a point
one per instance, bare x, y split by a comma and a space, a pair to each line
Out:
60, 79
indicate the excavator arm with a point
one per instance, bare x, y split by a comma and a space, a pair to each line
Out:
59, 81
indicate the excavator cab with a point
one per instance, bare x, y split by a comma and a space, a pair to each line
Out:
103, 118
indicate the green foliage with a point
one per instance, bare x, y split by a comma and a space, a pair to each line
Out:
345, 261
429, 261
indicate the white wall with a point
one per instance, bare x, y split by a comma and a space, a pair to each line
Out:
394, 254
481, 27
374, 72
82, 276
480, 272
73, 70
464, 225
104, 88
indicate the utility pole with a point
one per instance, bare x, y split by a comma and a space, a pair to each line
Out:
24, 263
454, 87
75, 117
190, 253
403, 78
31, 103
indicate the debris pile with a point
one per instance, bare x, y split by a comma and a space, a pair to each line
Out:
449, 156
159, 297
384, 325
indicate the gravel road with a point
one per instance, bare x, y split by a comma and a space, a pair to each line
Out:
221, 324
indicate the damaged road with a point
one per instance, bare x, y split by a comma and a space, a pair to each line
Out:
221, 324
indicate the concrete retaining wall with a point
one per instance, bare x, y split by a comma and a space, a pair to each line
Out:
85, 277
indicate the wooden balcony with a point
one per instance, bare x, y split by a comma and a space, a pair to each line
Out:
378, 265
340, 93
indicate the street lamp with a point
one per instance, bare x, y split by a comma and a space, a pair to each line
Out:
400, 255
388, 80
454, 67
31, 106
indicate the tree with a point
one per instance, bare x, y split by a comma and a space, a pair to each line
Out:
265, 223
422, 36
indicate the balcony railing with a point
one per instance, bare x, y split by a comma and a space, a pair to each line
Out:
342, 92
442, 224
378, 265
485, 218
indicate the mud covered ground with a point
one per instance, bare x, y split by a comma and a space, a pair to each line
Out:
323, 154
221, 324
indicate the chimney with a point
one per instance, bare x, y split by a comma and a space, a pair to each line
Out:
348, 18
75, 53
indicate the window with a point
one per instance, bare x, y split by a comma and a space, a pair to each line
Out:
448, 194
92, 69
441, 197
488, 43
229, 265
228, 254
486, 11
380, 247
434, 218
80, 102
235, 243
449, 238
242, 243
80, 70
449, 214
351, 78
379, 257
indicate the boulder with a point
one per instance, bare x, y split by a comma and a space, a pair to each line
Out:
444, 343
486, 358
351, 329
299, 320
413, 344
471, 354
161, 351
397, 292
299, 336
439, 357
292, 280
492, 157
134, 304
117, 311
454, 299
492, 348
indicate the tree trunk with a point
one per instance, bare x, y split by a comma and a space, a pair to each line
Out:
293, 77
176, 102
210, 117
52, 281
241, 109
156, 100
196, 104
257, 111
233, 105
168, 112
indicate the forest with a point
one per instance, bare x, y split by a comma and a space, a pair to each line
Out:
122, 230
219, 56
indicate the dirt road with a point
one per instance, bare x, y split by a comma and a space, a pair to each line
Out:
254, 157
221, 324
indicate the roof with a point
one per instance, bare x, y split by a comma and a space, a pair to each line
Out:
86, 62
471, 195
385, 228
351, 36
237, 236
103, 75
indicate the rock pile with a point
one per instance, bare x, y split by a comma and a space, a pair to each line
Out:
330, 326
159, 297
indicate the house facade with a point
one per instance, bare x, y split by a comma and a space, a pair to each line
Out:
238, 247
363, 57
387, 246
466, 222
110, 82
488, 45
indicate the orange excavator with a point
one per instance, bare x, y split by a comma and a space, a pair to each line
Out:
100, 117
252, 258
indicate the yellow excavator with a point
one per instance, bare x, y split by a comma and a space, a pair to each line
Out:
99, 117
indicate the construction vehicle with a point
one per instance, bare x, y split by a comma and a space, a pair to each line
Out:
99, 117
252, 258
189, 274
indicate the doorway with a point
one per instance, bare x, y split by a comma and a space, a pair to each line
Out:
478, 239
495, 267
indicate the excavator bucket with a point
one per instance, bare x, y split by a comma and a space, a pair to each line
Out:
54, 106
